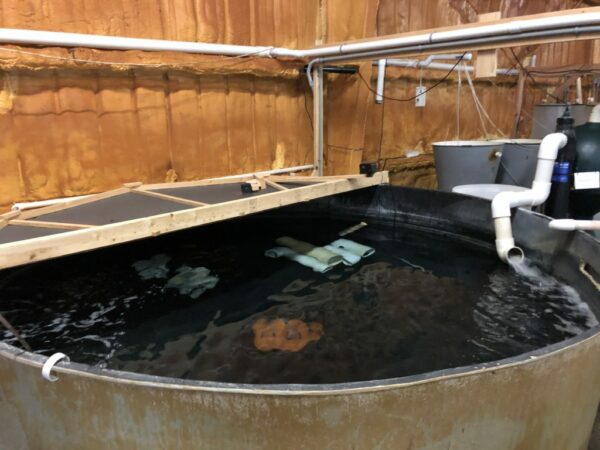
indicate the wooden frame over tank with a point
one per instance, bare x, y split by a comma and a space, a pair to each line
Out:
103, 220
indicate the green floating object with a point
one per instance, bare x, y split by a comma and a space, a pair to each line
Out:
193, 281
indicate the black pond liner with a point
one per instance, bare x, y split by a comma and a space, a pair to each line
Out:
460, 217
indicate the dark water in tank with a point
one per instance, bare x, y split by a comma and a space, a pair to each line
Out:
422, 302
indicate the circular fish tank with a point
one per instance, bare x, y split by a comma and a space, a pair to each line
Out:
414, 336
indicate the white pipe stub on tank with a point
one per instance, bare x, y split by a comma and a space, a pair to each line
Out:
539, 192
572, 225
49, 365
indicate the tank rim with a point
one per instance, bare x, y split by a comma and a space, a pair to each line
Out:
138, 379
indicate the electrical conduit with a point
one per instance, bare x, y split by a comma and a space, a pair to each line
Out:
567, 23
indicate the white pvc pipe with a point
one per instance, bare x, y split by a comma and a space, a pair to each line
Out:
482, 31
380, 80
416, 64
22, 206
51, 38
539, 192
572, 225
579, 100
270, 172
444, 57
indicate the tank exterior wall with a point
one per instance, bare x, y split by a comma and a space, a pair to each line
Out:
545, 400
542, 403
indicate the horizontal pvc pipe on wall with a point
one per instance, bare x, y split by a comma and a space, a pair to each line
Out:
509, 30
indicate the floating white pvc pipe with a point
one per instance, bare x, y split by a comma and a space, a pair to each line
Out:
539, 192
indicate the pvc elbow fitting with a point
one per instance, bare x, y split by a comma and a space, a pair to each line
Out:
550, 146
504, 201
507, 249
505, 242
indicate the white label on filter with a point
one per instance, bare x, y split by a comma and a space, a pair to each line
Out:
421, 98
587, 180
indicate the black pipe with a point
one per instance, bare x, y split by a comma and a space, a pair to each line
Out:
338, 69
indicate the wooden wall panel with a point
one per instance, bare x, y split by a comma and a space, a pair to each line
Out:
271, 22
399, 127
69, 128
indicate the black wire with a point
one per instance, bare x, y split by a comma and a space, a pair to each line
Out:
565, 72
367, 84
307, 111
526, 72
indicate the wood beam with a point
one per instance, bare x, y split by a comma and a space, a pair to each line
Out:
170, 198
29, 214
486, 63
274, 185
6, 217
46, 224
519, 103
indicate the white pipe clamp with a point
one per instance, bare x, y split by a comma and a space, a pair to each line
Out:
49, 365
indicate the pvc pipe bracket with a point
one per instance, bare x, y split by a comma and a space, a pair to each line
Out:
49, 365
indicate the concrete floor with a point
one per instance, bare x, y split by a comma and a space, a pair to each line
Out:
595, 440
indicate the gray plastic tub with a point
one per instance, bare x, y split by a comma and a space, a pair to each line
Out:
518, 162
545, 115
466, 162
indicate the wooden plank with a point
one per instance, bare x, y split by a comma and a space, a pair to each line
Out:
311, 179
519, 103
170, 198
205, 182
6, 217
595, 52
46, 224
29, 214
486, 63
275, 185
133, 185
47, 247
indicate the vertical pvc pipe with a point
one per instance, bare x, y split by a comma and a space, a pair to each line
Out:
380, 80
319, 130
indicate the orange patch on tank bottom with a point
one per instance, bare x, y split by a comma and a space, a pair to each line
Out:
289, 336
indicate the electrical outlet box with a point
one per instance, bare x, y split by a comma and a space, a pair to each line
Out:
421, 99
